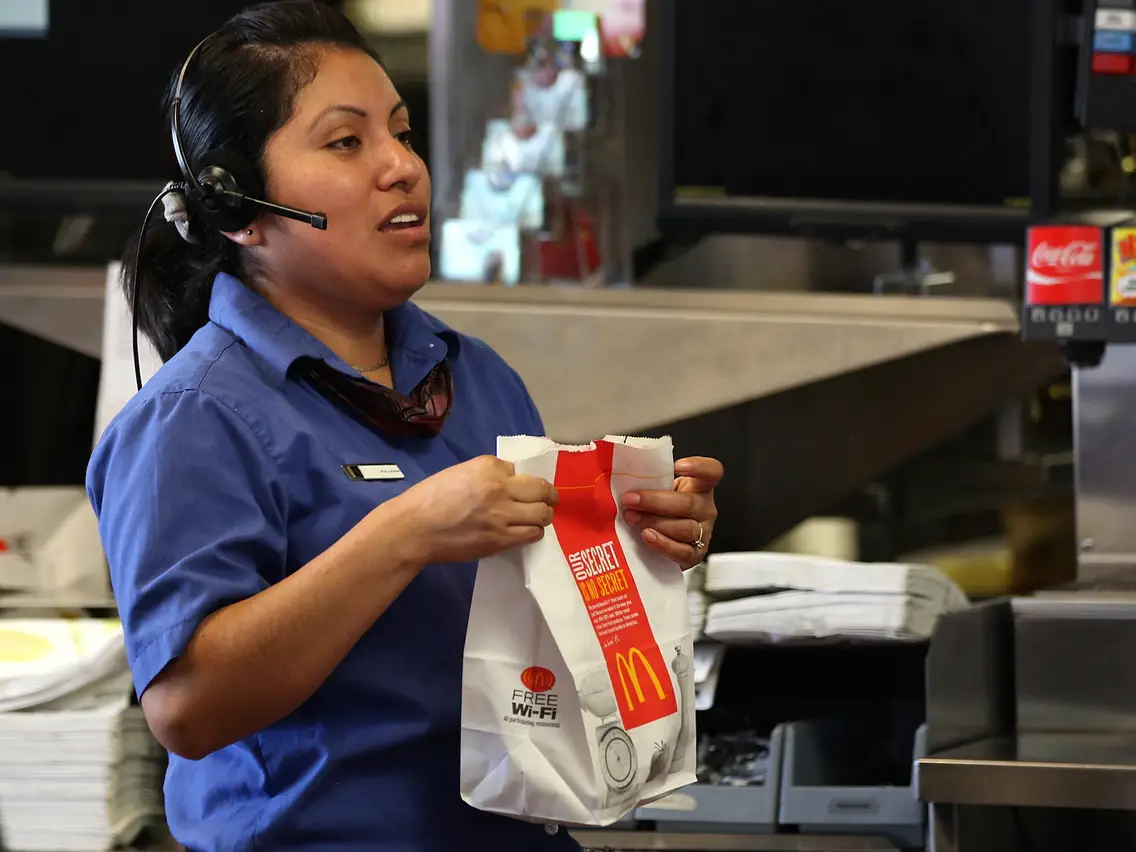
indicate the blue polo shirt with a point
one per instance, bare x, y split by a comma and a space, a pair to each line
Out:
223, 476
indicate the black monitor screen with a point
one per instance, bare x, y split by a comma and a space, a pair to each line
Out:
84, 100
894, 101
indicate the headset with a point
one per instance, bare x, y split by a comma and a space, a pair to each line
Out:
225, 191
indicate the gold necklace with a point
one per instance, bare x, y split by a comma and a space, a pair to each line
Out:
374, 367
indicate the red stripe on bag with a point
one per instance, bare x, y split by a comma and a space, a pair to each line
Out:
585, 526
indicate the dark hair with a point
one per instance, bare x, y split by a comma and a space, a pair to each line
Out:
238, 90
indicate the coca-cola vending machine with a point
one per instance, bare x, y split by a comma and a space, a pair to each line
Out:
1081, 281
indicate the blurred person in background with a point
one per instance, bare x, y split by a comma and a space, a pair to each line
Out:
295, 631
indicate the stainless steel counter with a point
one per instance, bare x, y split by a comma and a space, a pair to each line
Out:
66, 601
1033, 793
633, 841
784, 387
1035, 770
650, 841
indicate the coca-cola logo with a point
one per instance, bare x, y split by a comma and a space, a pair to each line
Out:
1078, 254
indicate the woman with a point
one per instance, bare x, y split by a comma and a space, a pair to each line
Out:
295, 631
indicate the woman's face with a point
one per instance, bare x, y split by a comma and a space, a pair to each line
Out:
346, 152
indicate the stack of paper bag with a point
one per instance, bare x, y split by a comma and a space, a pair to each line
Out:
79, 769
783, 597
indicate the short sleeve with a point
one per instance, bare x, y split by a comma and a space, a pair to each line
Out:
534, 425
192, 516
537, 428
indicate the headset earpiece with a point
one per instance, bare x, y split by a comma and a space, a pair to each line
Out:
222, 184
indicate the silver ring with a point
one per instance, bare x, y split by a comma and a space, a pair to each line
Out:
698, 543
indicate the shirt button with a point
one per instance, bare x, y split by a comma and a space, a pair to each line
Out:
551, 829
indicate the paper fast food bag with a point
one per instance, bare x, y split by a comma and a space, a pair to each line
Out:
577, 688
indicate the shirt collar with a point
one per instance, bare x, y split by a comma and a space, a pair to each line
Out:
249, 317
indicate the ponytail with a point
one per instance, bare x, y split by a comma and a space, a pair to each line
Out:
175, 280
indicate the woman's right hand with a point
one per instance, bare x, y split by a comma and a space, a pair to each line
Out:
477, 509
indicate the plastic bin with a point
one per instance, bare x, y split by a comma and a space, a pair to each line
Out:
823, 789
712, 809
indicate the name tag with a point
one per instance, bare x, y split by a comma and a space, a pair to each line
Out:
373, 472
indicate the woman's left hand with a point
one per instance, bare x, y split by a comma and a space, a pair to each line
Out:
678, 524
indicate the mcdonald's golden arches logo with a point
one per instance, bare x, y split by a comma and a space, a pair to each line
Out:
628, 671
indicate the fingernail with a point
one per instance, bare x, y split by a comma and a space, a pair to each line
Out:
650, 536
631, 499
633, 518
683, 466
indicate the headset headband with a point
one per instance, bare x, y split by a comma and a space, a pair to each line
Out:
175, 120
